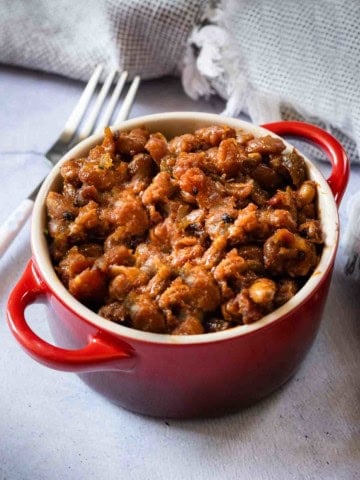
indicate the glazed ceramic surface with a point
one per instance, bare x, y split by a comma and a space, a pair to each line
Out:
181, 376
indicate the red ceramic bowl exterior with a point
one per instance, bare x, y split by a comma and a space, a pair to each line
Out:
173, 376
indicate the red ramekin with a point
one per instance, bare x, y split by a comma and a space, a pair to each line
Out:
170, 375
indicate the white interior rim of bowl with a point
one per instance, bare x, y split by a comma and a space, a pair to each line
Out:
40, 251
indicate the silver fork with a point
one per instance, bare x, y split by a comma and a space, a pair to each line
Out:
71, 135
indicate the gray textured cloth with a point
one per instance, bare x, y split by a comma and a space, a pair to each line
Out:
284, 59
272, 59
71, 37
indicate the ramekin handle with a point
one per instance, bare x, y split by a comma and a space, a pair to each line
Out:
101, 353
340, 164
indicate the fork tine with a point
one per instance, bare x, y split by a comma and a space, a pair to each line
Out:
104, 121
90, 121
128, 101
79, 110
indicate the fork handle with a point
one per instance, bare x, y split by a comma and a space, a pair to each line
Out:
14, 223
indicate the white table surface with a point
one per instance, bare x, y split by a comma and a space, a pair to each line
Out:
52, 426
